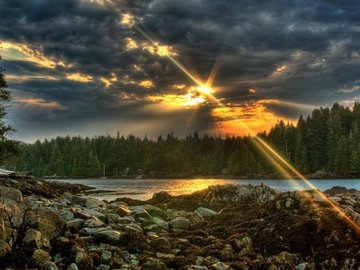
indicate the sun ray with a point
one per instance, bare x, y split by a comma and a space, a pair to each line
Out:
270, 153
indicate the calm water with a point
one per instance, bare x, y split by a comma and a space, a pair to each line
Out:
143, 189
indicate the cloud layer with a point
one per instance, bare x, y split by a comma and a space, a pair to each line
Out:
83, 67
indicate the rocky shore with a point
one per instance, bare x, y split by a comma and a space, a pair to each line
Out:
49, 226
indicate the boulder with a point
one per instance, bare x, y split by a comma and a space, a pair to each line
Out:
40, 258
4, 249
93, 223
180, 223
46, 221
72, 266
123, 211
154, 264
75, 224
50, 266
111, 237
161, 197
220, 266
205, 212
161, 223
67, 215
11, 193
34, 239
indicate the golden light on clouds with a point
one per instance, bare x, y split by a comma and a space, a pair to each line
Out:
22, 52
147, 84
78, 77
24, 78
254, 115
158, 49
41, 103
109, 81
195, 96
179, 86
252, 90
127, 19
131, 44
281, 69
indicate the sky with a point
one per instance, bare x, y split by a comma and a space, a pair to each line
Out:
96, 67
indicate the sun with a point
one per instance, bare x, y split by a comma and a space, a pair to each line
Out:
204, 90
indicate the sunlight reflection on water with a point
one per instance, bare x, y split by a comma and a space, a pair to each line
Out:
143, 189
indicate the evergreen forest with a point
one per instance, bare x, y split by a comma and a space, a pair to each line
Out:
328, 140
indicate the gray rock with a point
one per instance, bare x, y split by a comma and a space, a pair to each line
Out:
105, 256
4, 249
93, 223
111, 237
67, 215
220, 266
40, 257
205, 212
61, 241
161, 223
75, 224
180, 223
50, 266
123, 211
154, 264
46, 221
160, 242
11, 193
34, 239
103, 267
199, 267
72, 266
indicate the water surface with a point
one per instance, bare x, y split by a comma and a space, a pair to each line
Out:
143, 189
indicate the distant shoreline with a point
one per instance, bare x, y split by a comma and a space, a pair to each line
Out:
204, 177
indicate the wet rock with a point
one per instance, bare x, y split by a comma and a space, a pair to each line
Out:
103, 267
105, 256
46, 221
161, 197
161, 223
11, 193
160, 243
4, 249
67, 215
123, 211
180, 223
40, 258
82, 259
50, 266
75, 224
93, 223
282, 261
220, 266
61, 242
72, 266
111, 237
205, 212
154, 264
34, 239
241, 244
199, 267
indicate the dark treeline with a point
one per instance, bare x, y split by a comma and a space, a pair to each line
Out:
328, 139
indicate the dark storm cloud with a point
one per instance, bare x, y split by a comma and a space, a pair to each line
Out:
316, 42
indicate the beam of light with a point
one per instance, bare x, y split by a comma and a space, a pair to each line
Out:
348, 219
170, 57
270, 153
